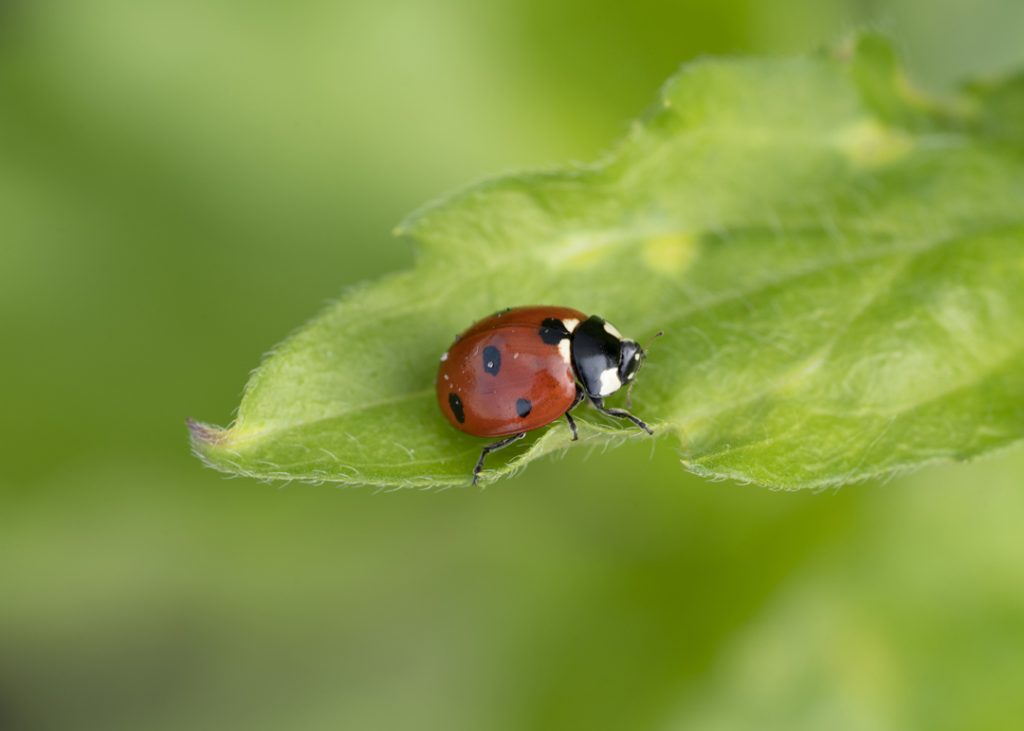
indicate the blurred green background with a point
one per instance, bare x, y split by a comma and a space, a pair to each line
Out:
182, 183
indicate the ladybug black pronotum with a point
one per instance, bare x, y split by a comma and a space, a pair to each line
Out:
523, 368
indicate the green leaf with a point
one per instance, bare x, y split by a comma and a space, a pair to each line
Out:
837, 262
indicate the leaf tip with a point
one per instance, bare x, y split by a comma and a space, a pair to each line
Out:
204, 435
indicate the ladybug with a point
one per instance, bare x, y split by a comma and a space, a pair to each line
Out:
525, 367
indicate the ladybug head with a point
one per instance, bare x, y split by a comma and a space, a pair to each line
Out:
631, 357
602, 359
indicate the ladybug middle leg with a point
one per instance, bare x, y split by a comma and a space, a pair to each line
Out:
493, 448
580, 395
619, 414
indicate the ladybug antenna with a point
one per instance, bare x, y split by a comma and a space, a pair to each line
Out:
629, 388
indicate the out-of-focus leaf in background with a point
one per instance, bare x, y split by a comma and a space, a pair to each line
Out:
181, 183
835, 262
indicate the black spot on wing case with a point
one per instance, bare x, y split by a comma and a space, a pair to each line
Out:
492, 360
552, 331
455, 403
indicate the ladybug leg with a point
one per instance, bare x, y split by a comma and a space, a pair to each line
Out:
493, 448
580, 395
619, 414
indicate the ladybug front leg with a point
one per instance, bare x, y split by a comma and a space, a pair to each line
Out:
619, 414
493, 448
580, 395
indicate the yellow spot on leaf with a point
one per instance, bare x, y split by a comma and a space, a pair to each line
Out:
869, 144
671, 253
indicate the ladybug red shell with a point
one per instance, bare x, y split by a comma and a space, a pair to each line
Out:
525, 367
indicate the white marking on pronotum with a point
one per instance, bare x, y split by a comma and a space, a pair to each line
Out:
515, 356
565, 349
570, 323
610, 382
636, 357
610, 329
444, 356
446, 376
